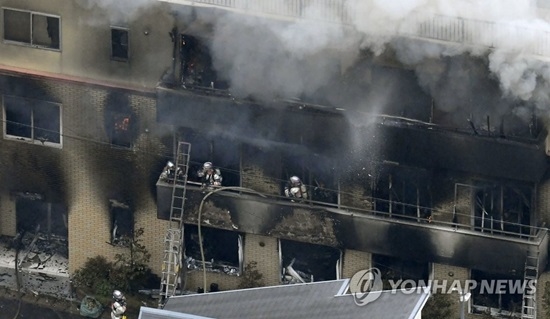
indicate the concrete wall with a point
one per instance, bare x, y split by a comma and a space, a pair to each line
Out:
86, 41
87, 171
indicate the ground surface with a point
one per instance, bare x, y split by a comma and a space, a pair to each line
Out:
43, 307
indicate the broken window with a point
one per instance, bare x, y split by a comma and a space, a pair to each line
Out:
34, 215
36, 29
35, 121
303, 262
395, 269
121, 134
498, 207
196, 64
403, 192
122, 221
223, 250
119, 44
496, 293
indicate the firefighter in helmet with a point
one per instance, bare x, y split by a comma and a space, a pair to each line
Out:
210, 176
118, 307
294, 188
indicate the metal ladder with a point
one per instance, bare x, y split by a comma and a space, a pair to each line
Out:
529, 303
173, 242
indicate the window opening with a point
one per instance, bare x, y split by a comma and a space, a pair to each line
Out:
34, 215
122, 221
121, 134
119, 44
395, 269
223, 153
223, 250
403, 192
36, 29
32, 120
504, 299
303, 262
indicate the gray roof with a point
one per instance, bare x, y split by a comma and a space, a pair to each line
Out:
311, 300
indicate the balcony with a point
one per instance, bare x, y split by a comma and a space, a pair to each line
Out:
418, 25
361, 229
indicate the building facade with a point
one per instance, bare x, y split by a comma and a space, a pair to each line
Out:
423, 156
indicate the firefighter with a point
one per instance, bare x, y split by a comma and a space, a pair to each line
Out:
210, 176
294, 188
118, 307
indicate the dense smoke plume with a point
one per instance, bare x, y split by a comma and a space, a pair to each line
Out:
272, 57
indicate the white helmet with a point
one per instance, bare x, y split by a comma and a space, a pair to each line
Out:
117, 295
295, 179
170, 165
207, 165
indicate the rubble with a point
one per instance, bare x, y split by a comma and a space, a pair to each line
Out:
43, 264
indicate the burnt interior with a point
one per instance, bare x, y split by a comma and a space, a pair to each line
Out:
34, 214
484, 296
196, 68
222, 151
395, 269
122, 223
222, 249
311, 262
120, 120
403, 192
34, 120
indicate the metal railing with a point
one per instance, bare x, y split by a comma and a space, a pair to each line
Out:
500, 228
479, 33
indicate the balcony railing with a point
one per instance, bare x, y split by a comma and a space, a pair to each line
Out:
472, 32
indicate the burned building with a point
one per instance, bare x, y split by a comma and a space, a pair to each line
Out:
422, 154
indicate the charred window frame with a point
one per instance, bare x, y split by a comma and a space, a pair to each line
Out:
119, 44
122, 223
35, 29
223, 250
402, 192
395, 269
304, 262
122, 130
32, 121
485, 296
501, 207
196, 69
35, 215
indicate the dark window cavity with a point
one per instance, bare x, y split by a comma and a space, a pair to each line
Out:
34, 215
223, 250
119, 44
223, 152
122, 220
121, 130
507, 302
396, 269
36, 29
302, 262
35, 121
196, 64
402, 192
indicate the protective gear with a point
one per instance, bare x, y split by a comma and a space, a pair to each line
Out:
295, 189
117, 310
170, 164
117, 295
210, 176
